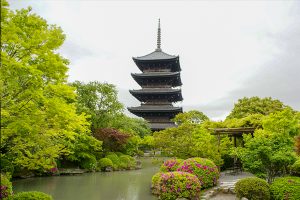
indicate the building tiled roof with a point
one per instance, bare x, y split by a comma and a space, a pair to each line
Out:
156, 55
154, 108
161, 126
155, 91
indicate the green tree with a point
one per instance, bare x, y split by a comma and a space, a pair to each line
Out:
193, 116
38, 113
255, 105
270, 151
99, 100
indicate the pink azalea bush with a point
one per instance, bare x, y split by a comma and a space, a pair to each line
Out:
170, 165
173, 185
205, 169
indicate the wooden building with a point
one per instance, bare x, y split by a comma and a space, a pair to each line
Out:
160, 87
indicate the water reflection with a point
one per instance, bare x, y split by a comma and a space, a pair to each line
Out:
122, 185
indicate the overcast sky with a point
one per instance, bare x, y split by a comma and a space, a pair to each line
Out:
228, 49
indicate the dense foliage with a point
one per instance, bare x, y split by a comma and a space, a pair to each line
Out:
191, 117
32, 195
287, 188
173, 185
5, 187
104, 163
170, 165
38, 108
205, 170
253, 189
270, 151
295, 168
255, 105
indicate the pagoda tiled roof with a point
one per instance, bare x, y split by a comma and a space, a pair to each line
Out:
155, 91
156, 74
155, 108
156, 55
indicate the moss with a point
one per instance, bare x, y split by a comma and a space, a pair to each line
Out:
287, 188
32, 195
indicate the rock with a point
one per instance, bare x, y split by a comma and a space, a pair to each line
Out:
108, 169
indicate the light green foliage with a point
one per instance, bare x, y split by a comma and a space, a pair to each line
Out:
32, 195
170, 165
295, 168
127, 161
176, 142
85, 150
206, 170
255, 105
6, 187
173, 185
104, 163
147, 142
287, 188
271, 151
253, 189
99, 100
115, 159
190, 117
38, 110
188, 140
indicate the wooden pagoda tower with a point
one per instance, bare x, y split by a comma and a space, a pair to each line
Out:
160, 82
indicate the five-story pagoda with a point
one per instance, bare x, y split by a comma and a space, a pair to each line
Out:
160, 82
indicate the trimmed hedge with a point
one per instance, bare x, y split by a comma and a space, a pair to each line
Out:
253, 188
205, 169
287, 188
173, 185
5, 187
170, 165
104, 163
32, 195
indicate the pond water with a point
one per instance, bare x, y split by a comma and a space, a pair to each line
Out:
119, 185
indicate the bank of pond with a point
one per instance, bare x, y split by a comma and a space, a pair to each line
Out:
159, 178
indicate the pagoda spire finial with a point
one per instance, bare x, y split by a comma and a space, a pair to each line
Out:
158, 37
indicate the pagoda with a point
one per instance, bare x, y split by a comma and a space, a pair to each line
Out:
160, 87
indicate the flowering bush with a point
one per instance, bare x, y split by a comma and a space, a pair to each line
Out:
170, 165
206, 171
252, 188
5, 187
173, 185
287, 188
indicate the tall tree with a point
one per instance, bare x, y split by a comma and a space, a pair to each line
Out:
192, 117
255, 105
100, 101
38, 113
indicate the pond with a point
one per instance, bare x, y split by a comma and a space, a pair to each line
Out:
119, 185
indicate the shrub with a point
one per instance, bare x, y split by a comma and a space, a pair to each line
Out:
287, 188
89, 163
205, 169
115, 159
127, 161
104, 163
6, 166
170, 165
173, 185
296, 167
5, 187
253, 188
32, 195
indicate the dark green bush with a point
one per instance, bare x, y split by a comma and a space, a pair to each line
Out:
6, 166
253, 188
295, 168
104, 163
173, 185
205, 169
287, 188
89, 163
170, 165
32, 195
5, 187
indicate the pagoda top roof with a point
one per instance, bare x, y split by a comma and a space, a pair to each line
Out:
158, 54
155, 74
